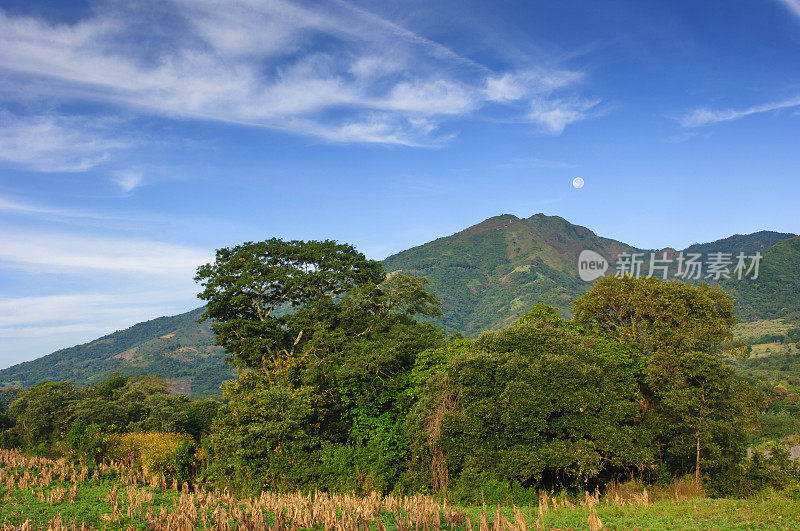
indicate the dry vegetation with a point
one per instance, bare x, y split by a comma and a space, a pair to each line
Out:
40, 493
756, 329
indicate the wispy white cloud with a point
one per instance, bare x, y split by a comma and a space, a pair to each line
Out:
373, 23
556, 114
56, 143
699, 117
128, 180
513, 86
379, 128
261, 63
56, 251
70, 310
792, 5
20, 207
63, 216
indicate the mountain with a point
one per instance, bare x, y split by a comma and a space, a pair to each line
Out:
177, 347
776, 291
746, 243
486, 276
491, 273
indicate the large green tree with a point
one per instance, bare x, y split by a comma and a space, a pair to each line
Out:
44, 413
699, 411
541, 403
703, 411
653, 315
328, 342
250, 289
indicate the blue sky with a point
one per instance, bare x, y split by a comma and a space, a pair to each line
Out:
137, 137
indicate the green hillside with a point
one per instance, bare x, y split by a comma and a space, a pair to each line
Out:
486, 276
176, 347
745, 243
776, 291
493, 272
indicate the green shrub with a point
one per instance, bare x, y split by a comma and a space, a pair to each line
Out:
84, 442
474, 487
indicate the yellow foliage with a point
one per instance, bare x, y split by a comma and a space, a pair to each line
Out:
157, 452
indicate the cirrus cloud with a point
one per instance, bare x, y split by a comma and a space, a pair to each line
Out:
704, 116
333, 71
56, 143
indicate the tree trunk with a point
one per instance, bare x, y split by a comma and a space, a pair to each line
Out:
697, 461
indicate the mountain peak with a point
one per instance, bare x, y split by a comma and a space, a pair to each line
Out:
493, 223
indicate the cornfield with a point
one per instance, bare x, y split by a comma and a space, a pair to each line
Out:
133, 498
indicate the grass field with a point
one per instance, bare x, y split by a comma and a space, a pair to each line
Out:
757, 332
755, 329
38, 493
769, 349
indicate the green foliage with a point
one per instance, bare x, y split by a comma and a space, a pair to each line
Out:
540, 312
700, 413
8, 436
703, 414
84, 441
501, 409
476, 487
266, 433
772, 469
776, 291
200, 415
433, 360
330, 384
248, 283
64, 418
44, 413
653, 315
778, 425
748, 244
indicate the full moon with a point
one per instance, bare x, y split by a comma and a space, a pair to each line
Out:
577, 182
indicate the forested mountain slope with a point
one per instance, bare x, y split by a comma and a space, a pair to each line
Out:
491, 273
176, 347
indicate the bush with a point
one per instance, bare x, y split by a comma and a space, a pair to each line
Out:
339, 469
171, 454
793, 491
84, 442
772, 469
8, 438
475, 488
542, 404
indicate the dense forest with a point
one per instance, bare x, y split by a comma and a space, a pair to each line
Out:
345, 385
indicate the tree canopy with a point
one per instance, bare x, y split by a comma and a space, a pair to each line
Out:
653, 315
539, 403
330, 341
250, 288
